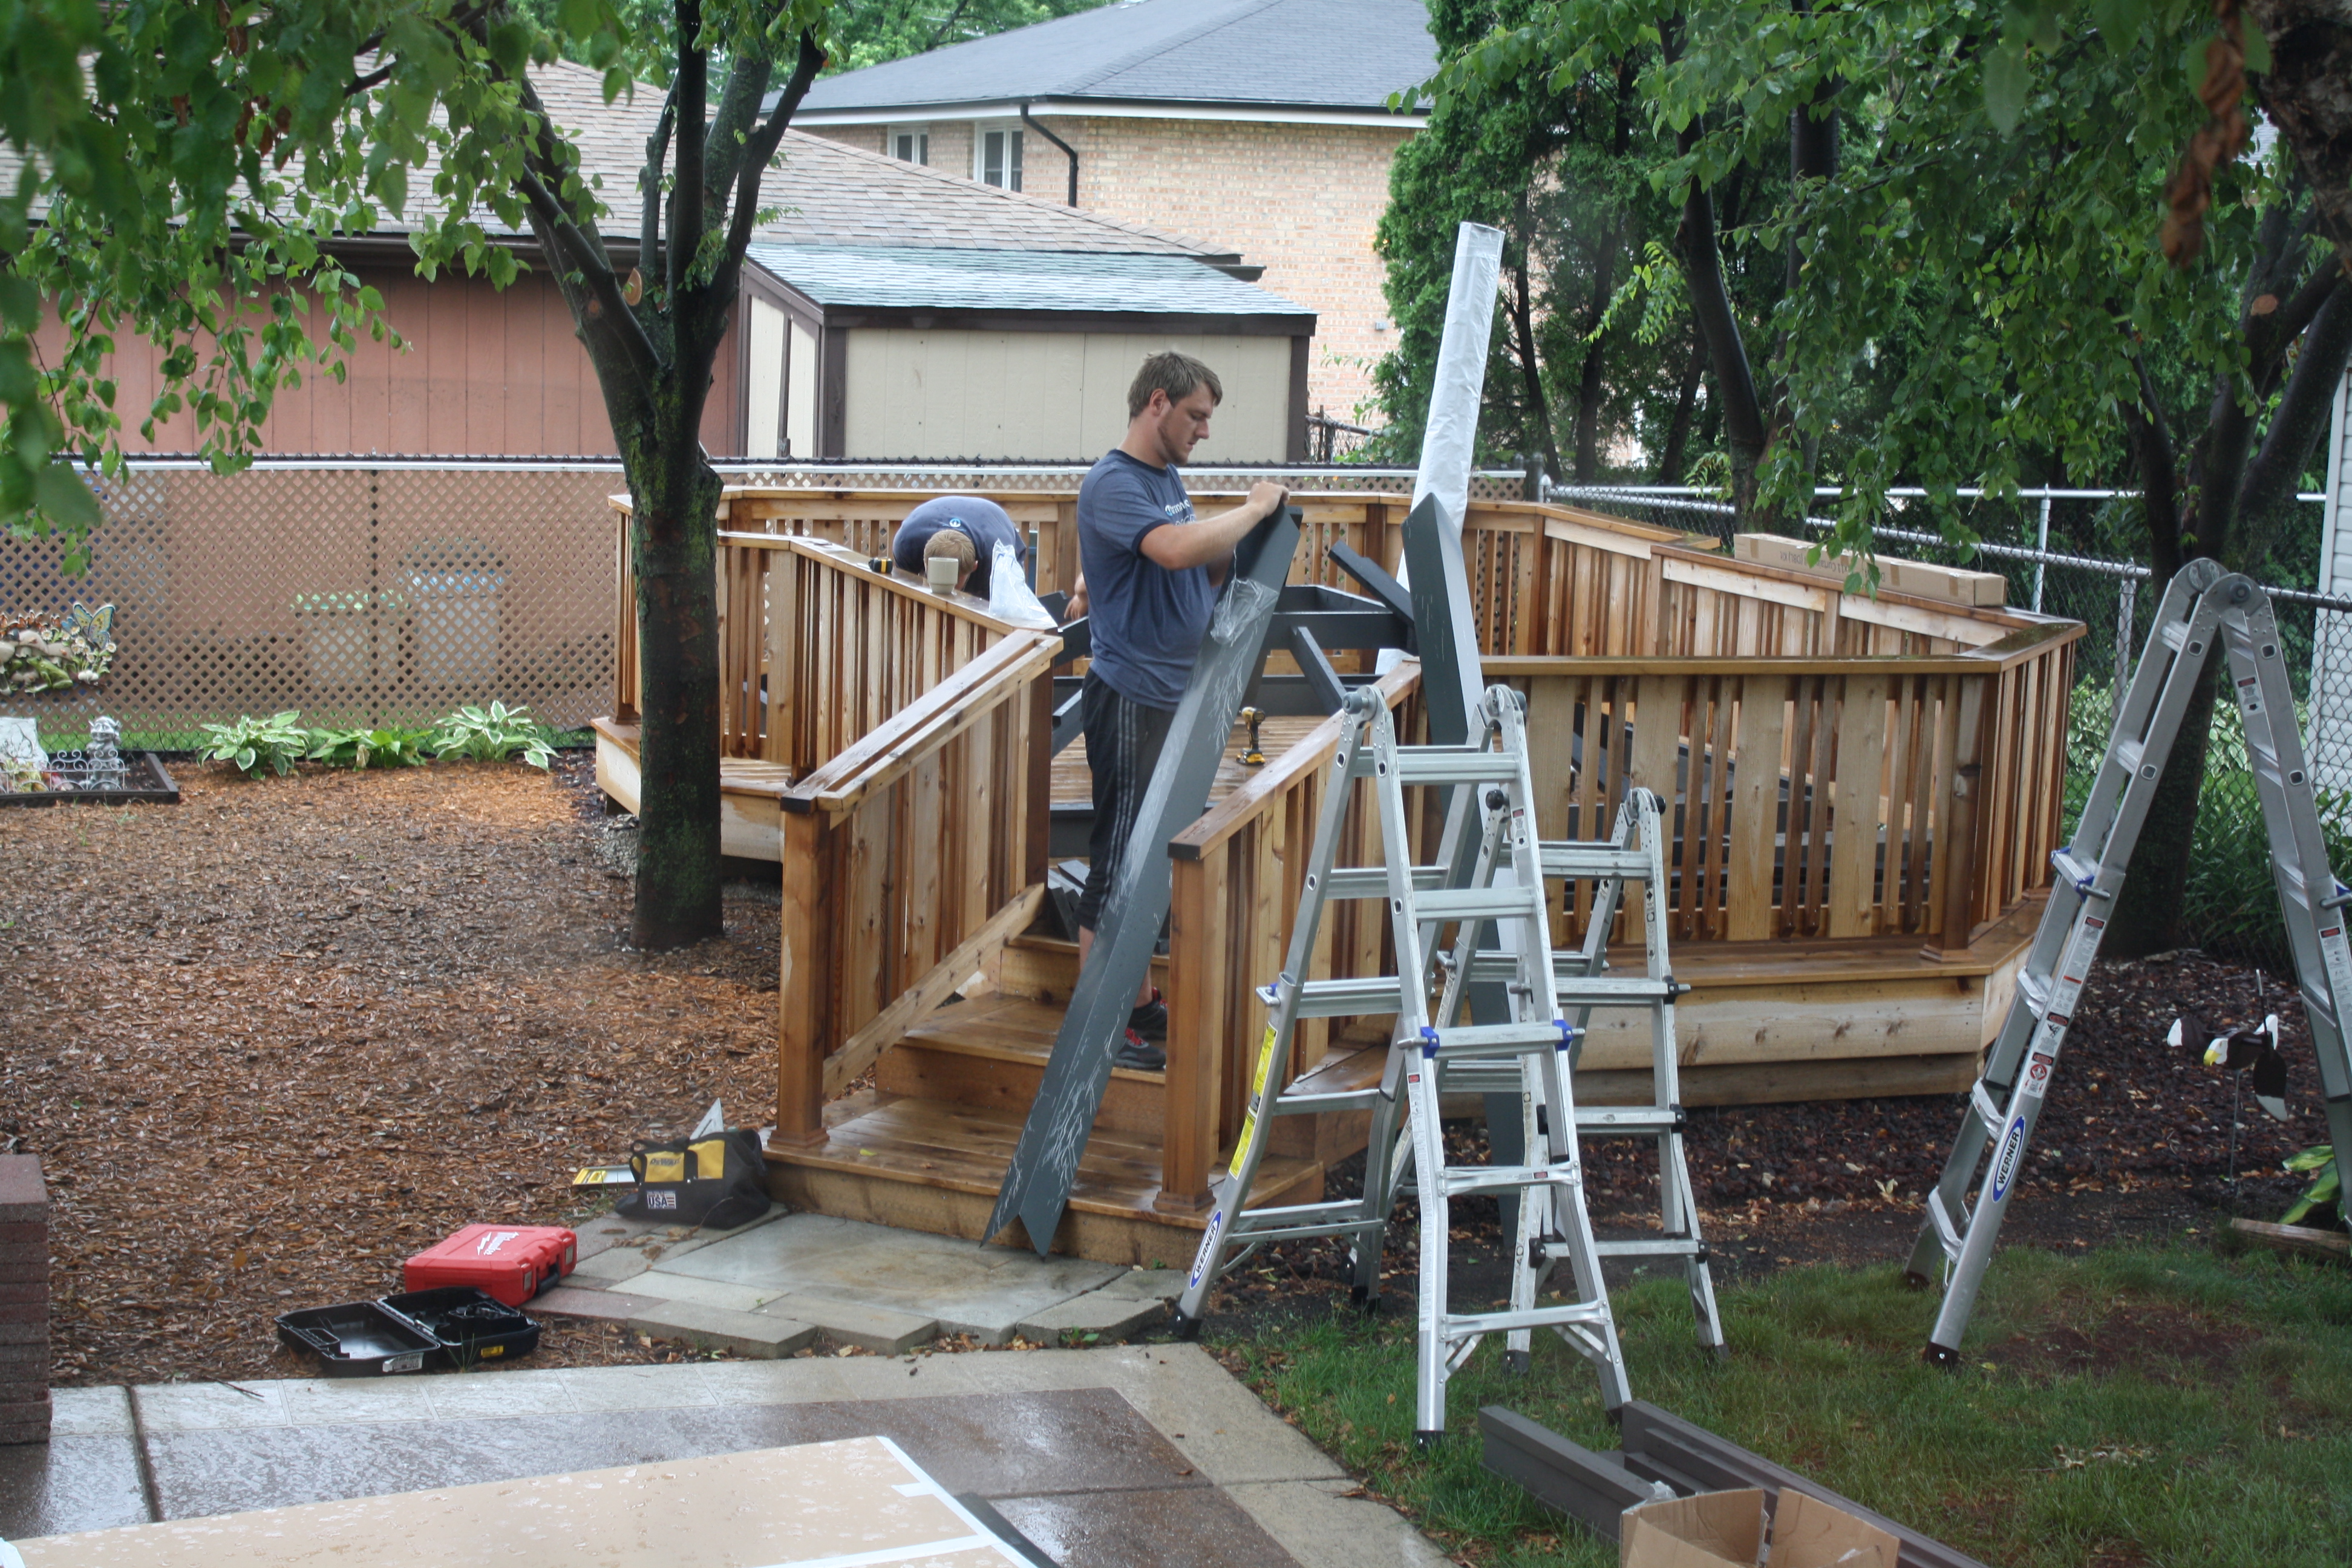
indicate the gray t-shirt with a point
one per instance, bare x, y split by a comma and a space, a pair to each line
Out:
982, 520
1145, 621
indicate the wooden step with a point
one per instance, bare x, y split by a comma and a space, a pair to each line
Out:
928, 1165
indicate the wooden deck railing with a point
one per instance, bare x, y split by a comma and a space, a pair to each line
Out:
906, 856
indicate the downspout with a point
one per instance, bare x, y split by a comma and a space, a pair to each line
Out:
1069, 151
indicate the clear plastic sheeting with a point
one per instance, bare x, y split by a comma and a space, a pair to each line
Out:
1009, 594
1449, 442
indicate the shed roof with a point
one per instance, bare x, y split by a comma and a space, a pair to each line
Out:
1329, 55
928, 278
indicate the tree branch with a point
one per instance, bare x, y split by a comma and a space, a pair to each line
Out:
761, 150
692, 93
2152, 450
605, 308
2302, 409
649, 178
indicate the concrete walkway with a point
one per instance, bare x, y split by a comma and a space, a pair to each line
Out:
769, 1288
1116, 1456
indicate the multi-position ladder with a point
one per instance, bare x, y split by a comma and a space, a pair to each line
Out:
1635, 854
1532, 1045
2201, 606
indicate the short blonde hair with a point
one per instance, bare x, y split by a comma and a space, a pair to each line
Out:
952, 542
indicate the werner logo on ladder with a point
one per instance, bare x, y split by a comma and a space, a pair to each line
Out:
2202, 606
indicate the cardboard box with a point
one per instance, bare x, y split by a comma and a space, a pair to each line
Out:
1726, 1530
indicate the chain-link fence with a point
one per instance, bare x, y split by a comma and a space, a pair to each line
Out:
2066, 553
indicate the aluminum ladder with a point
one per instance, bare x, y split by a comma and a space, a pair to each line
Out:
1634, 855
2203, 607
1535, 1044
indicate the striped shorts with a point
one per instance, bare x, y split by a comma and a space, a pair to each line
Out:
1123, 742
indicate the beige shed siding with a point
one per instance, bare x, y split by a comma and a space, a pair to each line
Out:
1303, 201
1047, 395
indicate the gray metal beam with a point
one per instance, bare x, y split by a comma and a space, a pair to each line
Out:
1037, 1187
1562, 1474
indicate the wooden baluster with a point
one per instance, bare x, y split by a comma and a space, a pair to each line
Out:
1198, 971
804, 980
1965, 824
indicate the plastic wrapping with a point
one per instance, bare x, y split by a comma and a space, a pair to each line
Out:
1449, 441
1009, 597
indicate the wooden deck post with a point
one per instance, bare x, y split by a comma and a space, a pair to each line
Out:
801, 989
1196, 970
1967, 826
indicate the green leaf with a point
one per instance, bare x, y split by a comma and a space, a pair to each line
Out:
59, 491
20, 303
510, 46
2005, 84
2258, 48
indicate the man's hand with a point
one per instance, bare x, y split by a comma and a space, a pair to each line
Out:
1076, 608
1208, 541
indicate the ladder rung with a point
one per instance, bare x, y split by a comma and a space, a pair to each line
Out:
2127, 754
1951, 1235
1495, 903
1656, 1246
1462, 1179
1573, 986
1629, 1118
1364, 995
2174, 634
1571, 859
1372, 881
1271, 1224
1461, 1328
1455, 765
2034, 990
1980, 1101
1476, 1039
2084, 877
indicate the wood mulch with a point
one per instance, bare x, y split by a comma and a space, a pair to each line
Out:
271, 1041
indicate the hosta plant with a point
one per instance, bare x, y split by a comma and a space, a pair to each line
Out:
360, 750
252, 745
493, 734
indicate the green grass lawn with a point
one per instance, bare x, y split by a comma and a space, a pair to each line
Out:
2126, 1406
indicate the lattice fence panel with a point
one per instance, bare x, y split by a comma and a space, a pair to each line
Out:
357, 596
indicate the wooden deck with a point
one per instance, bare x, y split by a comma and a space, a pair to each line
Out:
751, 790
1864, 793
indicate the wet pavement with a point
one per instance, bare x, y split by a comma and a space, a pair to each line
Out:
1119, 1455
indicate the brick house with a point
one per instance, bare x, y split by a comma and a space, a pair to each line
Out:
889, 311
1261, 126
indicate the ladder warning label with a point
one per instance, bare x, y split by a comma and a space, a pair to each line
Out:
1257, 1094
2037, 1074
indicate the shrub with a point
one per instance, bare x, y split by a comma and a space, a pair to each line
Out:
361, 749
252, 745
493, 734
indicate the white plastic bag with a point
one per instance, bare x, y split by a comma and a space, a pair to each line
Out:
1009, 598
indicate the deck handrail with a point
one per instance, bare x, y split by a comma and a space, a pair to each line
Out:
1310, 752
920, 729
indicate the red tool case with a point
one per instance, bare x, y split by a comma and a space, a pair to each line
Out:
511, 1263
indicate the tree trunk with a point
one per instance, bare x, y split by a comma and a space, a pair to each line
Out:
1523, 337
2307, 94
1734, 383
1675, 457
1587, 381
674, 539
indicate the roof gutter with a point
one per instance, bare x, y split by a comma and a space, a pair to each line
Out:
1071, 153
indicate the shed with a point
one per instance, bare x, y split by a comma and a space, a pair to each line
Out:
939, 351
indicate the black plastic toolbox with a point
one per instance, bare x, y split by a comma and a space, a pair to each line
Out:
455, 1326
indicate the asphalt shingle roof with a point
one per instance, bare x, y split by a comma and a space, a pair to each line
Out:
929, 278
1320, 54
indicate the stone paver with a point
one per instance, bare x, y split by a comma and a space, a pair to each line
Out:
880, 1328
1115, 1455
1097, 1313
985, 1292
719, 1329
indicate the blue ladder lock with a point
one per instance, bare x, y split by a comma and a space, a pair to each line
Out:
1429, 1042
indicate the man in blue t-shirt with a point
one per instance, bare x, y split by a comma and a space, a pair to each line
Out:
967, 528
1147, 581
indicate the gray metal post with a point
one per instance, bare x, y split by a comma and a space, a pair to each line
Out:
2042, 547
2126, 597
1045, 1161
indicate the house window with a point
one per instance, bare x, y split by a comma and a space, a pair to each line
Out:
908, 143
996, 156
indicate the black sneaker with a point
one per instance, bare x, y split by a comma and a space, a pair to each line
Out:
1151, 1019
1141, 1054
